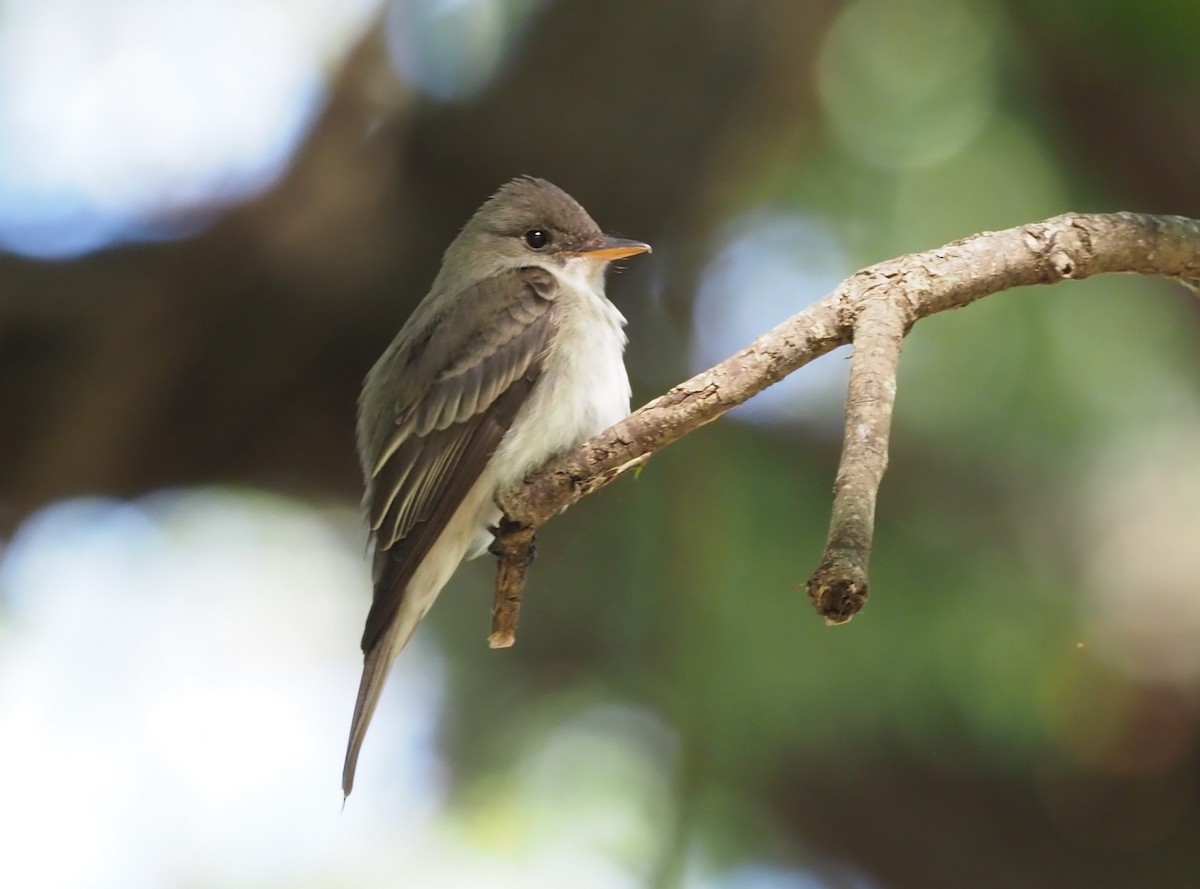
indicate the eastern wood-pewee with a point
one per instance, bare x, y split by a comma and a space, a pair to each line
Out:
513, 357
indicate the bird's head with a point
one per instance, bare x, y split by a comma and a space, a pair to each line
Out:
530, 221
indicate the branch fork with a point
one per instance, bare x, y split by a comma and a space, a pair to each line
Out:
873, 310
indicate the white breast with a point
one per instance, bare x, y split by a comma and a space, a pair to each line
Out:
583, 388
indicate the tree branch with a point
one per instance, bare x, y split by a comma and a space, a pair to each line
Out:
838, 588
874, 309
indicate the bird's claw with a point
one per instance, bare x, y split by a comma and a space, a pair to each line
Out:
502, 551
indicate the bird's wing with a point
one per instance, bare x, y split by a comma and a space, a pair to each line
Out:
446, 432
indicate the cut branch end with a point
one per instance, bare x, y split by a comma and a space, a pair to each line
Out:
838, 590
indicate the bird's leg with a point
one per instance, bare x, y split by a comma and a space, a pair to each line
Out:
503, 548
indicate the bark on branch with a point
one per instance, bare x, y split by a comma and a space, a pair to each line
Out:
873, 309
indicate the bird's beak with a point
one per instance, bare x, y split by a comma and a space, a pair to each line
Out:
606, 249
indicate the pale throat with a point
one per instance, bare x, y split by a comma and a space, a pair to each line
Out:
580, 273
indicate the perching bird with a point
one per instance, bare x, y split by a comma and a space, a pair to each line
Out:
513, 357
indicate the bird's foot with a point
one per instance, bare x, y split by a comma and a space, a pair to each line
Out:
503, 550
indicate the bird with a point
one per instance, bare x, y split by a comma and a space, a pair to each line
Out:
513, 357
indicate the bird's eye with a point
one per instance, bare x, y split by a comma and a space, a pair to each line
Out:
537, 239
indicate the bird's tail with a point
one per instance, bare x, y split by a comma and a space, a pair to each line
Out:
420, 591
375, 671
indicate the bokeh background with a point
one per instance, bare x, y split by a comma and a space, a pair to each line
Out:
214, 214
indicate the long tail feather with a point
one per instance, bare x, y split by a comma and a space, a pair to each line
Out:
421, 589
375, 672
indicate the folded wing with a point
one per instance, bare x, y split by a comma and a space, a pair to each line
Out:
447, 430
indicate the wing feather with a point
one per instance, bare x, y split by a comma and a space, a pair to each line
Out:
447, 430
